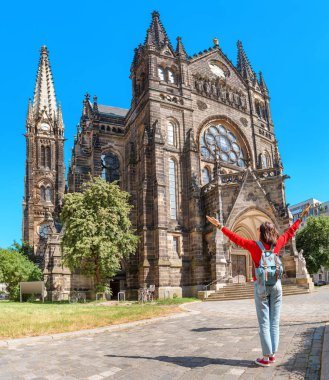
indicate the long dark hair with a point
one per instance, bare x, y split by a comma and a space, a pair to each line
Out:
268, 233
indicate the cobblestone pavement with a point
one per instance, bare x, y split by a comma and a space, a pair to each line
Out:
219, 340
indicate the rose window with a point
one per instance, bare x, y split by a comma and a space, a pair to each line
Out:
217, 140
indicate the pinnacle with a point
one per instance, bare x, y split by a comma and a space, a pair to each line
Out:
155, 14
180, 49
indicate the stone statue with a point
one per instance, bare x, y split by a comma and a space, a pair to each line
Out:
213, 89
302, 269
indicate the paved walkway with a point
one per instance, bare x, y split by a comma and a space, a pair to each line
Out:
219, 340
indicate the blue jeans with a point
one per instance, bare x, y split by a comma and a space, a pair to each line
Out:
268, 301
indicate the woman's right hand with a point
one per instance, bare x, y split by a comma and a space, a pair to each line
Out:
214, 221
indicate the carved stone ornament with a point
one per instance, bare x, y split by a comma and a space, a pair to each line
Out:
172, 99
244, 121
251, 197
201, 105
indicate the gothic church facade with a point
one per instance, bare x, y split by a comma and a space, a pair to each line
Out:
198, 139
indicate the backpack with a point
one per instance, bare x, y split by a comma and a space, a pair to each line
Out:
270, 268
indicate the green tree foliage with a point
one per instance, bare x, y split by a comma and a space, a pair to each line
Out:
26, 250
14, 268
314, 240
97, 230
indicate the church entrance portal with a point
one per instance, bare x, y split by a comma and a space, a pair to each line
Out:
242, 266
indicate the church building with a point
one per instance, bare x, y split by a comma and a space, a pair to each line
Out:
197, 140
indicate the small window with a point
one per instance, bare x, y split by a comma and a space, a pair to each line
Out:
171, 77
161, 73
171, 134
175, 243
205, 176
43, 156
47, 157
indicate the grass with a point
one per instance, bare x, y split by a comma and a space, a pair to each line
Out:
32, 319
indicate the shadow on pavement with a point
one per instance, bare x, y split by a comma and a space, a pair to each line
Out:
191, 361
304, 355
205, 329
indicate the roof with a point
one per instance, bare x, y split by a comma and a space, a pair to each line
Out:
113, 111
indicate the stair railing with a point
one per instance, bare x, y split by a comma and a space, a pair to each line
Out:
213, 282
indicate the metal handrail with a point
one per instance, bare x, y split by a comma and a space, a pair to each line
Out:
213, 282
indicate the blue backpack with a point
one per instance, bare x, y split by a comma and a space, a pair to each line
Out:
270, 268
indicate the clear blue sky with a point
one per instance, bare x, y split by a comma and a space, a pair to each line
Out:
91, 48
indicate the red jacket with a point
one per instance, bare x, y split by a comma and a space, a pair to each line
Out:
252, 247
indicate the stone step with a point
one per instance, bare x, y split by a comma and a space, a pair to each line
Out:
236, 292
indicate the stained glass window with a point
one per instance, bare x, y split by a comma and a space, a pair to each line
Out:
110, 167
218, 140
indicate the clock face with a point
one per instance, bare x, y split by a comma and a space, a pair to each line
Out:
45, 127
217, 70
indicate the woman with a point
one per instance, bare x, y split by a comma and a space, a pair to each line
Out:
268, 307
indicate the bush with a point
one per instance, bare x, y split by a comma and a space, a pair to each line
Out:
14, 268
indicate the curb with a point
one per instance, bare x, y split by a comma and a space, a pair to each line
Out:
325, 354
121, 326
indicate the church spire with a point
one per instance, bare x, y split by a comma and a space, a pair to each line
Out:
44, 93
180, 50
243, 64
156, 35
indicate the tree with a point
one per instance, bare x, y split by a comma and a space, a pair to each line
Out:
14, 268
97, 230
313, 239
26, 250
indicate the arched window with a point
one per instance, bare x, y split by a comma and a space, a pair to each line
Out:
217, 140
110, 167
257, 108
43, 156
42, 193
47, 157
49, 194
171, 134
205, 175
171, 76
172, 189
161, 73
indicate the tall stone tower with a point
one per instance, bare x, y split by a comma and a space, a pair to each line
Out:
45, 171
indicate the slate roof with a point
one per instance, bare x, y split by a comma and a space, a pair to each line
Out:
112, 111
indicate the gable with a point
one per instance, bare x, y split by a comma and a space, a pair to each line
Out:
205, 66
251, 195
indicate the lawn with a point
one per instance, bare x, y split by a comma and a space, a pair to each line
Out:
32, 319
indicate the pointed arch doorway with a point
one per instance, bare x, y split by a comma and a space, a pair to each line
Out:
242, 266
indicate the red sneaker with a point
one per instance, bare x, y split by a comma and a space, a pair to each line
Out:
272, 359
262, 362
